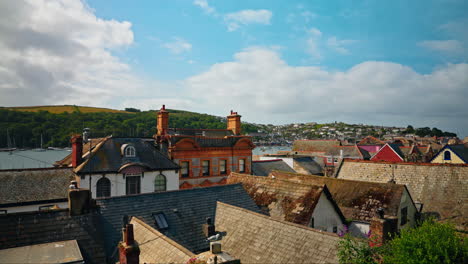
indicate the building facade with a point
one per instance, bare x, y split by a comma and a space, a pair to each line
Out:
205, 156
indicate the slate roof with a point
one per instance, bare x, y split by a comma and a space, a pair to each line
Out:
201, 132
207, 142
155, 247
314, 145
185, 211
256, 238
282, 199
309, 164
108, 158
348, 152
264, 167
358, 200
24, 229
56, 252
91, 144
29, 185
397, 149
370, 140
461, 151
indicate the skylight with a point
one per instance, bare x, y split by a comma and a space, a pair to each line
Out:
160, 220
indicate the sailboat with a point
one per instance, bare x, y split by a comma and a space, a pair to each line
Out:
9, 147
41, 148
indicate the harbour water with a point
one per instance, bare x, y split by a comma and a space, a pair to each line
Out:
23, 159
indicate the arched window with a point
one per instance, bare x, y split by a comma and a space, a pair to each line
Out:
447, 155
103, 187
129, 151
160, 183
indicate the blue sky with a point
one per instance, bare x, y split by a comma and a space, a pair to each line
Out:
365, 30
374, 62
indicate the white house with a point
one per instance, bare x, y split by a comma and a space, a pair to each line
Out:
123, 166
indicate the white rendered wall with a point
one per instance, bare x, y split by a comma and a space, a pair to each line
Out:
325, 215
359, 229
118, 182
407, 202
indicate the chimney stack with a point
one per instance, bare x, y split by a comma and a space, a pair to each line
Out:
129, 252
381, 228
234, 123
208, 228
77, 150
163, 121
79, 200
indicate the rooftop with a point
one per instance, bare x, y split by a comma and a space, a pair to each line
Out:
256, 238
264, 167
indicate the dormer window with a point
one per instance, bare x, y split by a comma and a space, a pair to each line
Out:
447, 155
128, 151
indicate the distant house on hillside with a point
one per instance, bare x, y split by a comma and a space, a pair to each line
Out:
454, 154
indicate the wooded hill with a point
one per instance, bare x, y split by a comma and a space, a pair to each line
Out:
25, 128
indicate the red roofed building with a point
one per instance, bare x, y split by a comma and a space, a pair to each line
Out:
389, 152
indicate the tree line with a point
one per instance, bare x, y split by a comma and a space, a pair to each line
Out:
25, 129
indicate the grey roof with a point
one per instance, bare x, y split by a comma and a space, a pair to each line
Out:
256, 238
207, 142
155, 247
201, 132
397, 149
108, 157
185, 211
460, 150
309, 164
264, 167
56, 252
29, 185
24, 229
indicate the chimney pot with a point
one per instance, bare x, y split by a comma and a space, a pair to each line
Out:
215, 247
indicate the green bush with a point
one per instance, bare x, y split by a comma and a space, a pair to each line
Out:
432, 242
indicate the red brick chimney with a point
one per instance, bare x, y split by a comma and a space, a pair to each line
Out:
381, 228
163, 121
129, 252
77, 150
234, 123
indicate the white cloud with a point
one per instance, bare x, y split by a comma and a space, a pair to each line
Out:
203, 4
313, 43
338, 44
60, 52
178, 46
246, 17
267, 89
446, 46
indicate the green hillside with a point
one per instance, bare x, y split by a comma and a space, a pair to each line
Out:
26, 127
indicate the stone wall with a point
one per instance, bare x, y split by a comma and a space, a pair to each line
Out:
442, 188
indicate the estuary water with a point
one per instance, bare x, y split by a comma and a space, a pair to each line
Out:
24, 159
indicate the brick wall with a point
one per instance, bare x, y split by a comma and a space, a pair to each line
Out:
442, 188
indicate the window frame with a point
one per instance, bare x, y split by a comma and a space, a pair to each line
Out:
156, 180
447, 155
129, 151
404, 216
202, 171
189, 173
127, 179
160, 220
225, 172
98, 184
244, 169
